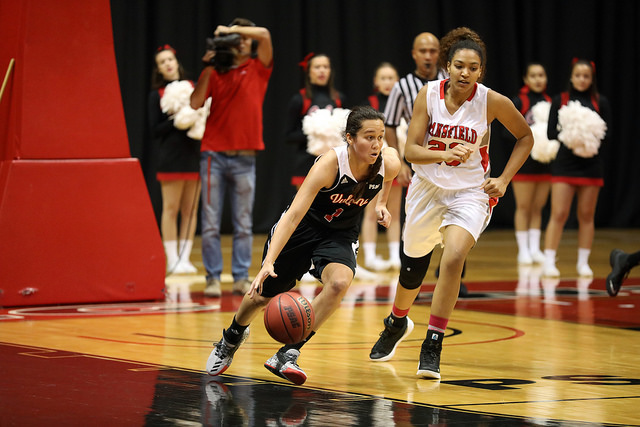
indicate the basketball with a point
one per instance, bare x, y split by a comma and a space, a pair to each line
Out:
288, 318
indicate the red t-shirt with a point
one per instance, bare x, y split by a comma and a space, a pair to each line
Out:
235, 120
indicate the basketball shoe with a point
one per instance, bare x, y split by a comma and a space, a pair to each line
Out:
429, 366
619, 271
285, 365
222, 354
390, 337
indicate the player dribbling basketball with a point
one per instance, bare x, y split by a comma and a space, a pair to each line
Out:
318, 231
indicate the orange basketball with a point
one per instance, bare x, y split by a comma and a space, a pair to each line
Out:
288, 318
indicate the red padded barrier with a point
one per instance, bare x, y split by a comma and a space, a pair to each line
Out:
76, 222
65, 95
78, 231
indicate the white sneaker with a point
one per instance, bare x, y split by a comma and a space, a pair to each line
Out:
537, 257
185, 267
584, 270
222, 355
364, 274
395, 263
550, 271
524, 258
285, 365
377, 264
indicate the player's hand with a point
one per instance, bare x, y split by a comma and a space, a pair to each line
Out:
494, 187
460, 153
256, 285
383, 216
404, 176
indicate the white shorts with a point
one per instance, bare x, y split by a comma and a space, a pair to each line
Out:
430, 208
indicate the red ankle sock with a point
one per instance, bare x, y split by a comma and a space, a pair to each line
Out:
438, 323
396, 312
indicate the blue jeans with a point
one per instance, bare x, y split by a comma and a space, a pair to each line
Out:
237, 174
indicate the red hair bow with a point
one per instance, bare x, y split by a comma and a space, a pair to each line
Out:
165, 47
305, 62
593, 64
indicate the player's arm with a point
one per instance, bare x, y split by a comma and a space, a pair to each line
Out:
415, 151
501, 108
392, 166
321, 175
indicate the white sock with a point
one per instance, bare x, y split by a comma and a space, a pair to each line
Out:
522, 238
394, 251
185, 250
369, 249
534, 240
171, 251
549, 258
583, 256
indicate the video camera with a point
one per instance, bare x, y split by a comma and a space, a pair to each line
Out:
225, 47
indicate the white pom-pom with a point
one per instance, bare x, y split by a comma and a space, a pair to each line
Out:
401, 134
177, 94
581, 129
185, 118
197, 129
544, 150
324, 128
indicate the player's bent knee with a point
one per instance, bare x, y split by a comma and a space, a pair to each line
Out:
413, 270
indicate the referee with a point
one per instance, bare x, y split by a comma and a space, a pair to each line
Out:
425, 51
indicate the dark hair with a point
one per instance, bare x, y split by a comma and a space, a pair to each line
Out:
593, 89
354, 124
157, 80
383, 65
532, 64
243, 22
307, 80
462, 38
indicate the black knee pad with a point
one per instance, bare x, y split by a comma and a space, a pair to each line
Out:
413, 270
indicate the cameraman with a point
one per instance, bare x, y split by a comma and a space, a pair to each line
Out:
232, 136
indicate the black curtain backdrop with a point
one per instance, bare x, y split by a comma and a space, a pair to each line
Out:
359, 34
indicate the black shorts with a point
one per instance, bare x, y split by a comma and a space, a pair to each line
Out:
309, 247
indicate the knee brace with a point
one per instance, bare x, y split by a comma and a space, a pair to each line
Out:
413, 270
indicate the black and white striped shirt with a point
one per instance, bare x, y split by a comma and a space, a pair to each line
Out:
402, 96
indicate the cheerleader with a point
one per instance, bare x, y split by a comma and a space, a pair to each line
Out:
582, 115
531, 184
318, 93
178, 159
385, 76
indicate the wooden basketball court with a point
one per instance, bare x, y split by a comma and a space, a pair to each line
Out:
520, 350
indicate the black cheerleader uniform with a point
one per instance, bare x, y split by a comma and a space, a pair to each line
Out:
532, 170
299, 106
178, 156
328, 233
568, 167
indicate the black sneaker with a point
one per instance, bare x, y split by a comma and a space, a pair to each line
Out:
390, 337
619, 271
429, 366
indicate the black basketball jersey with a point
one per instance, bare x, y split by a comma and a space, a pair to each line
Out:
335, 207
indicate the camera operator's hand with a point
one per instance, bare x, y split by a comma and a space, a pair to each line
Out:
208, 56
222, 29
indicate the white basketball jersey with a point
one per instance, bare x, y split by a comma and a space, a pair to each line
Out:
468, 126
